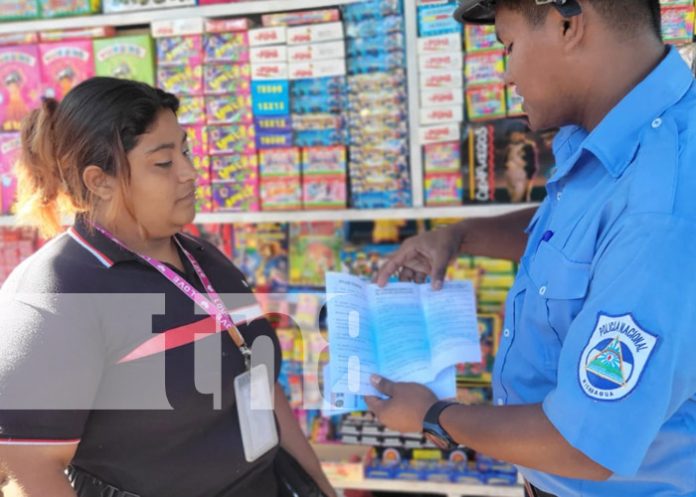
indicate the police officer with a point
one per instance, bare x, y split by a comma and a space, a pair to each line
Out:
594, 382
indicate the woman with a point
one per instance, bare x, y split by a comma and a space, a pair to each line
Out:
121, 338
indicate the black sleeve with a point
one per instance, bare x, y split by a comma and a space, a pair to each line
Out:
51, 361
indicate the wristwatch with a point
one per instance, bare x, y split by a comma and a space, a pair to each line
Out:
433, 430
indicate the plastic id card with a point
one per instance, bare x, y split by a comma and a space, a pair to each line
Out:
255, 410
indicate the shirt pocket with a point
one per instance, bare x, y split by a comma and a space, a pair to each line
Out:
561, 283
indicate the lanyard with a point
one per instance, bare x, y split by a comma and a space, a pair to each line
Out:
214, 306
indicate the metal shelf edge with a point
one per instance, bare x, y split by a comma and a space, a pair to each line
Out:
147, 16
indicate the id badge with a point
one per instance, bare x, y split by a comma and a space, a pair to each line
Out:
254, 397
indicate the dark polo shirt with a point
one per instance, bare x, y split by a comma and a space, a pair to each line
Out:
97, 347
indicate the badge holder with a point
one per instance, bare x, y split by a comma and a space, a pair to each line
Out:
254, 399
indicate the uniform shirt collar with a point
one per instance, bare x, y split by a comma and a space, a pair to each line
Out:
111, 252
615, 140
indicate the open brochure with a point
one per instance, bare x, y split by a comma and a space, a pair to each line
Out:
404, 332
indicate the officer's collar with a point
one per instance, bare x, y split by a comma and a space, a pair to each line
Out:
615, 140
109, 252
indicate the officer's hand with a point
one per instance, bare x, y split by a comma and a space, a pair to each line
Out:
405, 410
427, 254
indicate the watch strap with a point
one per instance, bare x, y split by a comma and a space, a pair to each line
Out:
431, 422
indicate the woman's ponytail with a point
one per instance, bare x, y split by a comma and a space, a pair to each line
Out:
41, 188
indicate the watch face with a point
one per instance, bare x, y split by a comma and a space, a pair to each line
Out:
440, 442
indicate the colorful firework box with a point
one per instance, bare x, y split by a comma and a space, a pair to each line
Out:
20, 84
503, 159
64, 65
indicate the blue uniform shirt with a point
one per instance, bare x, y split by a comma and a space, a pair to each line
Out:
601, 321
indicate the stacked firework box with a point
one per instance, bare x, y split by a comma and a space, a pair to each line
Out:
179, 46
229, 118
440, 66
316, 53
377, 104
279, 161
677, 21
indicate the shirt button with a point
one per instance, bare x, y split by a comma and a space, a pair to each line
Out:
500, 402
506, 333
542, 290
657, 123
559, 195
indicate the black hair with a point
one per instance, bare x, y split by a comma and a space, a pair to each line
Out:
97, 123
626, 16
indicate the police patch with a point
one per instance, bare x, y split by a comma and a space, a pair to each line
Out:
614, 358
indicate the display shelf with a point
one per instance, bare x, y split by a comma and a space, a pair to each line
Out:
140, 18
362, 214
415, 156
425, 487
483, 210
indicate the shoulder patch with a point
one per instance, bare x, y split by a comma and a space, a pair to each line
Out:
614, 358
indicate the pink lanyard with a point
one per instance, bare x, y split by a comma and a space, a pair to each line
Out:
214, 306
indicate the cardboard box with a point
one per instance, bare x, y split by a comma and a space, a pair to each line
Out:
444, 43
181, 52
317, 69
317, 51
343, 463
278, 70
270, 97
438, 134
271, 54
226, 47
315, 33
10, 150
442, 96
302, 17
436, 20
441, 61
110, 6
177, 27
64, 65
52, 8
441, 114
11, 10
20, 91
441, 79
267, 36
27, 38
227, 25
127, 57
77, 34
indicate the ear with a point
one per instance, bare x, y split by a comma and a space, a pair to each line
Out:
572, 30
99, 183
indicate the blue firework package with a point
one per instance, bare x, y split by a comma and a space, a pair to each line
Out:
374, 27
319, 138
382, 62
270, 98
388, 42
273, 123
332, 85
371, 9
365, 83
435, 20
277, 139
324, 104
